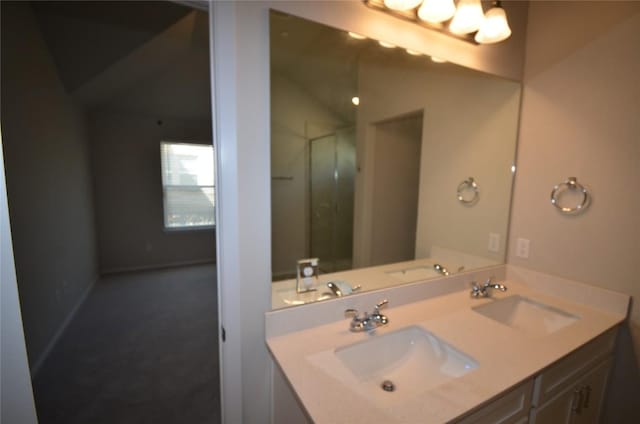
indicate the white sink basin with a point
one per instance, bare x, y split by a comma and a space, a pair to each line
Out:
412, 359
527, 315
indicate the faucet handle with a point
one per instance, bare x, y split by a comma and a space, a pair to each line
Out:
497, 286
381, 304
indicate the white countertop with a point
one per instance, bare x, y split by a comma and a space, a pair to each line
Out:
506, 357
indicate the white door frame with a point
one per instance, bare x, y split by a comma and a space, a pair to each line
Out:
17, 405
240, 83
223, 111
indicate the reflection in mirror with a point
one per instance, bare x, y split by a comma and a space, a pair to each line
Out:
383, 161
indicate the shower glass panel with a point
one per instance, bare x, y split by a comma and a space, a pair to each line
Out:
332, 175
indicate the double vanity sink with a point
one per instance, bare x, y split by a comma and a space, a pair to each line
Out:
437, 359
413, 359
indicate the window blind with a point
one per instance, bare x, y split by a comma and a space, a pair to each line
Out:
188, 185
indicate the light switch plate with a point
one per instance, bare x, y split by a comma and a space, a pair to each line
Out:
494, 242
522, 248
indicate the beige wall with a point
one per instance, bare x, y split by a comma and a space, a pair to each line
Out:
48, 183
474, 135
580, 117
469, 128
125, 150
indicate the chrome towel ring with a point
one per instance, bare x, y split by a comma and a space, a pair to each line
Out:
570, 184
468, 185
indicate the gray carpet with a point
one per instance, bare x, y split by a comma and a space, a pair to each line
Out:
142, 349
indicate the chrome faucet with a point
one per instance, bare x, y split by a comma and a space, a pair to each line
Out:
367, 321
483, 291
340, 288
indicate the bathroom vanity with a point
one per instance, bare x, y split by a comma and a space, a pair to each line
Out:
539, 353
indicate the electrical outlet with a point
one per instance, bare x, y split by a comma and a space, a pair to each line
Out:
494, 242
522, 248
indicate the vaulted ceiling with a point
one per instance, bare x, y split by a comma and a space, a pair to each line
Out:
134, 56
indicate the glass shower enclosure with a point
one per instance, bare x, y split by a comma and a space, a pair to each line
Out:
332, 170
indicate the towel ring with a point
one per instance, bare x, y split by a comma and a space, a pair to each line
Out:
468, 185
571, 184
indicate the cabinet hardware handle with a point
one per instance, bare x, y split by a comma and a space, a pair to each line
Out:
587, 389
577, 401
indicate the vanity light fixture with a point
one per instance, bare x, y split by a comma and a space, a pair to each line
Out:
402, 4
468, 17
495, 27
387, 45
462, 19
436, 11
356, 35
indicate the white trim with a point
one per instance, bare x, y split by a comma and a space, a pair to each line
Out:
16, 403
37, 364
224, 122
157, 266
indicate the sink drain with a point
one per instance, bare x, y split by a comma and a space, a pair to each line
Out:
388, 386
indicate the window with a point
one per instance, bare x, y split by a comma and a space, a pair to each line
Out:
187, 184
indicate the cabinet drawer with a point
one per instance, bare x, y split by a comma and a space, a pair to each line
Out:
568, 370
510, 408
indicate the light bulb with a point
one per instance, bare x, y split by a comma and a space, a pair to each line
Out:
436, 11
387, 45
468, 17
413, 52
438, 59
355, 100
495, 27
402, 4
356, 36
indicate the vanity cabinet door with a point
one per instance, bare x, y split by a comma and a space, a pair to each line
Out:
564, 374
579, 404
557, 411
592, 388
510, 408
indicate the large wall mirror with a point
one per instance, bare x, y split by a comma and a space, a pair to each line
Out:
382, 157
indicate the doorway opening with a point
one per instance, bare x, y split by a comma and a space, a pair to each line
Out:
113, 236
398, 144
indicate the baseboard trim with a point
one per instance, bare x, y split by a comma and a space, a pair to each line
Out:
157, 266
47, 351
